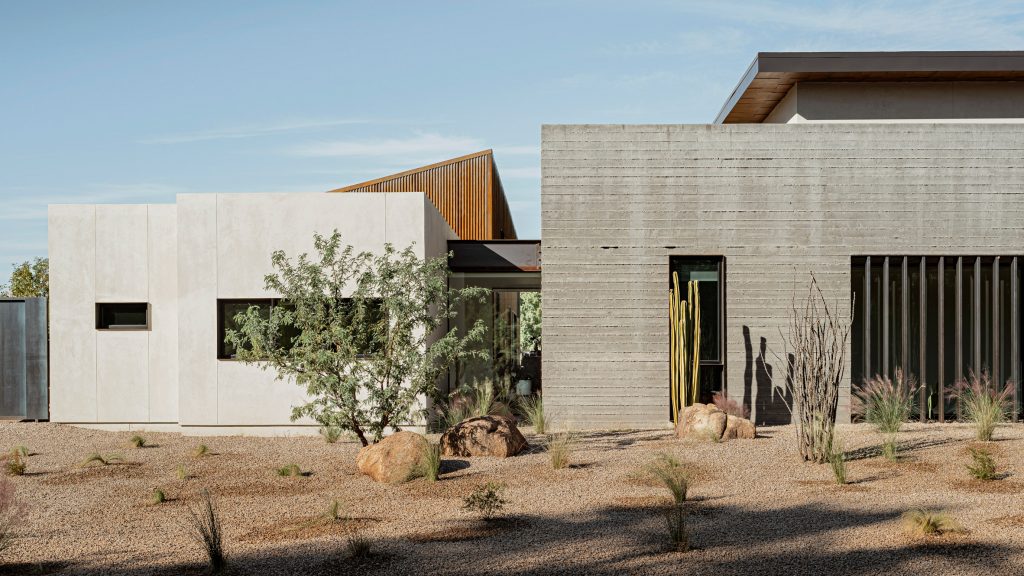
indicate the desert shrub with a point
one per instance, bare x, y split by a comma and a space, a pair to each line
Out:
485, 500
14, 463
206, 529
560, 447
983, 466
359, 546
364, 362
671, 472
532, 409
101, 459
675, 523
181, 472
429, 467
983, 403
816, 352
331, 434
12, 513
137, 441
201, 450
158, 497
23, 451
729, 406
289, 470
929, 523
885, 403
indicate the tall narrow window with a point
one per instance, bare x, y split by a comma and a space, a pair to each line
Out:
708, 272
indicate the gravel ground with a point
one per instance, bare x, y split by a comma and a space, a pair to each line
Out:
757, 508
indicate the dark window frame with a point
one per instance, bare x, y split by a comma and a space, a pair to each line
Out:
221, 327
104, 309
721, 364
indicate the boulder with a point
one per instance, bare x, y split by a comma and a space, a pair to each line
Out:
737, 428
702, 421
394, 458
483, 436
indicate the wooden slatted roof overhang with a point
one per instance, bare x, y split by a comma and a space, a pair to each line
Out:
772, 74
466, 190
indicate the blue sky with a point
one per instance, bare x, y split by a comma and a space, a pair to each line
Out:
138, 101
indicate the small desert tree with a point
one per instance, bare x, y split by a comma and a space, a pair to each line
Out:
816, 351
365, 334
29, 280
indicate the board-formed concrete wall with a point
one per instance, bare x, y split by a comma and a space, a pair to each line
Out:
181, 259
778, 202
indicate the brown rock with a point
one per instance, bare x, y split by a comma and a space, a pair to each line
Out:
737, 428
394, 458
483, 436
702, 421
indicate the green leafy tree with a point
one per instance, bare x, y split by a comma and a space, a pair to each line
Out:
29, 280
365, 334
529, 326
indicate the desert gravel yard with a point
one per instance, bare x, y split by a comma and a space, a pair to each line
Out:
755, 509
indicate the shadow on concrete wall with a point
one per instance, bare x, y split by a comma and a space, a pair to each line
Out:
771, 403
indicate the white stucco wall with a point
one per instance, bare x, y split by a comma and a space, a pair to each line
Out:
108, 253
181, 259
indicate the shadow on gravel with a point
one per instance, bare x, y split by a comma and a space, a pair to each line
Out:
902, 448
630, 539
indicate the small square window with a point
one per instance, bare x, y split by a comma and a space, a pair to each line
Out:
122, 316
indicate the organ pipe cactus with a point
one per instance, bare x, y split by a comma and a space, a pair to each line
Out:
684, 345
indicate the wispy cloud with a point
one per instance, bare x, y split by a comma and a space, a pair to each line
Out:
717, 40
877, 24
23, 204
420, 144
253, 131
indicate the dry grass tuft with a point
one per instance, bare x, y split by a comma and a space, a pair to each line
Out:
532, 409
15, 463
207, 531
101, 459
359, 546
671, 472
920, 522
983, 403
137, 441
201, 450
983, 466
559, 448
158, 497
291, 470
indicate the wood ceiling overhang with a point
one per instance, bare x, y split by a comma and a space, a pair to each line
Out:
467, 191
772, 74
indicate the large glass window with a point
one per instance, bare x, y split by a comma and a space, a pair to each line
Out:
938, 319
708, 272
